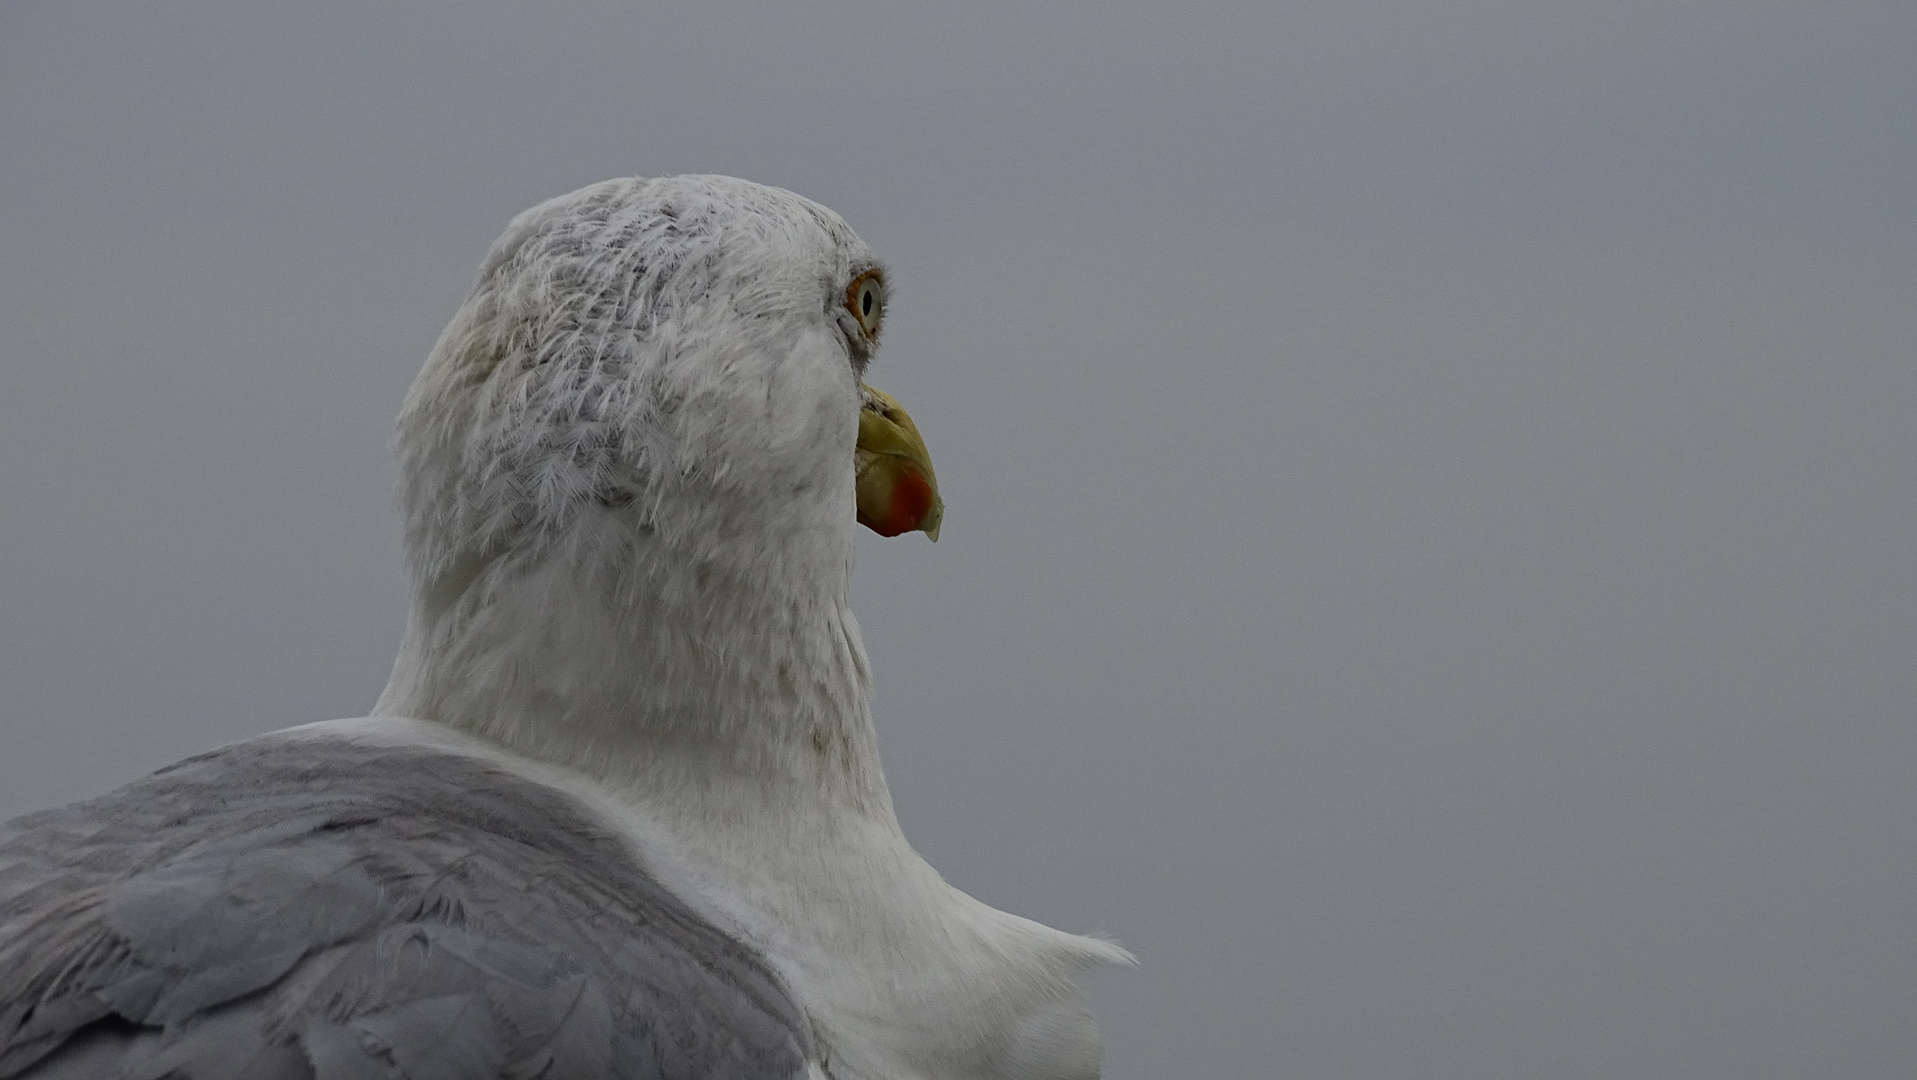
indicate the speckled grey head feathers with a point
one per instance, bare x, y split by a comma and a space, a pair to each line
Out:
668, 348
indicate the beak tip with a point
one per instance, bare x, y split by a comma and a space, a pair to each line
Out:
896, 492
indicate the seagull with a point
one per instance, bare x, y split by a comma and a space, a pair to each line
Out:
619, 812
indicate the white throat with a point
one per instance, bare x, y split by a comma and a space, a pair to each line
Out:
623, 660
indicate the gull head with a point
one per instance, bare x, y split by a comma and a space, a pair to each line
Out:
671, 363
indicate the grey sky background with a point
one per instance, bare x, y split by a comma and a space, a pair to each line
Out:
1431, 551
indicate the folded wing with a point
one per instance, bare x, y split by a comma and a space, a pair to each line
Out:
322, 910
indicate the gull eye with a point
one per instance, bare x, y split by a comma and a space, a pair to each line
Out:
865, 299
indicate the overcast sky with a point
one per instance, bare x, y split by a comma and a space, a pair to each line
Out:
1431, 548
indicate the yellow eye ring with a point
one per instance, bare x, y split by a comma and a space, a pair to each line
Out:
865, 299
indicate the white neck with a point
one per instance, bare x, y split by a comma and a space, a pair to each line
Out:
616, 656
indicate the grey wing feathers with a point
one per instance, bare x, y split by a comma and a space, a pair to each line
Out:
326, 911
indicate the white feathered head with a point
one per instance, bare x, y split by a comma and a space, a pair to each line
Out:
673, 363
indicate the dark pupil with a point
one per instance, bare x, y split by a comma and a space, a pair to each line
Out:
865, 302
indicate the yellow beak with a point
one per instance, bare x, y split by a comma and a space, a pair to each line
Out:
897, 491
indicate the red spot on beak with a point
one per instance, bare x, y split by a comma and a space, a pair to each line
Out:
911, 501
